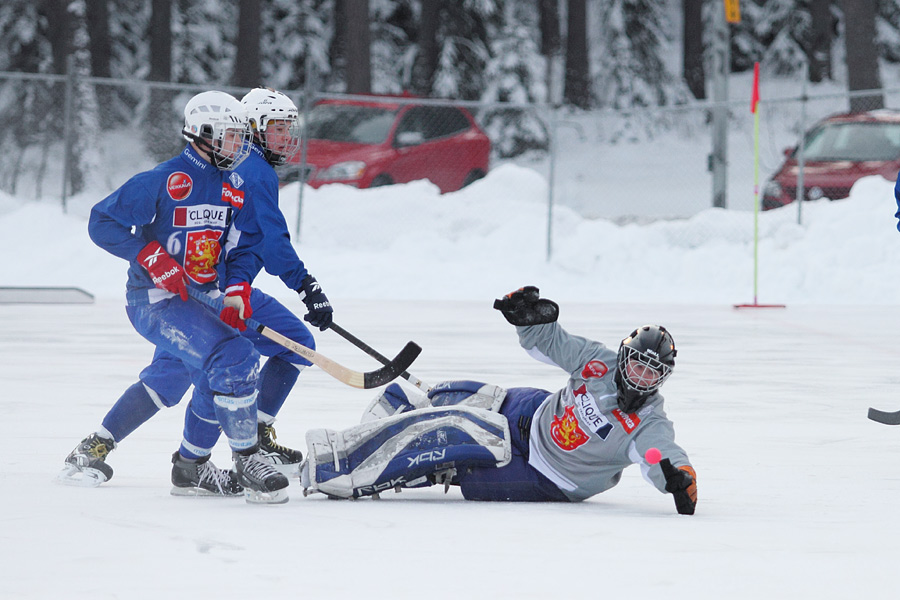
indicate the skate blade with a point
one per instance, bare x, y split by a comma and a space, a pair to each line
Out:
195, 492
81, 477
277, 497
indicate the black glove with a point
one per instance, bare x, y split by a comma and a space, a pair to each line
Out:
682, 484
526, 307
320, 311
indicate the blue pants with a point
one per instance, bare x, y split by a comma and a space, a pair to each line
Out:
518, 481
170, 379
216, 359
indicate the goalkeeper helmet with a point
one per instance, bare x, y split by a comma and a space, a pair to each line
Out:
275, 122
218, 125
645, 360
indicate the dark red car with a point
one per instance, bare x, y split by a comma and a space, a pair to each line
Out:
839, 150
386, 141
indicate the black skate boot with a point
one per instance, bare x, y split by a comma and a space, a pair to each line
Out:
263, 484
86, 464
285, 460
202, 478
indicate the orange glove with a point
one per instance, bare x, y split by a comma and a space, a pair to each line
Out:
682, 484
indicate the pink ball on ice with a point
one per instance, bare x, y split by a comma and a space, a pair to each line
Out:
653, 456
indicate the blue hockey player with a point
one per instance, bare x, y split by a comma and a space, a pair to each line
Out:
519, 444
274, 120
192, 227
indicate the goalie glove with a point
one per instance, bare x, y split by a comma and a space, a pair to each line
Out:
682, 484
525, 307
237, 305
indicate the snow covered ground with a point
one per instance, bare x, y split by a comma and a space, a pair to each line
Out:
798, 490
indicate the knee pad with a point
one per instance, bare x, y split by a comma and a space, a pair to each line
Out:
392, 401
406, 450
234, 368
467, 393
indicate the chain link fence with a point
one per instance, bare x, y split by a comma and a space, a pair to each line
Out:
623, 166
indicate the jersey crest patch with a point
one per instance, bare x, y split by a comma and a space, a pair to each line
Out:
595, 368
201, 255
179, 185
566, 431
235, 179
629, 421
232, 196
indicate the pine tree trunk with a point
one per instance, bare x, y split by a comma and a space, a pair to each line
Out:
862, 58
550, 45
819, 51
359, 61
247, 60
692, 53
161, 125
577, 89
59, 32
549, 25
160, 40
97, 17
427, 60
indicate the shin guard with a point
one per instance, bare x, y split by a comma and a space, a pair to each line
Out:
407, 450
237, 417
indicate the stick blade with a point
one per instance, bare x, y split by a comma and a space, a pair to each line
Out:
887, 418
393, 368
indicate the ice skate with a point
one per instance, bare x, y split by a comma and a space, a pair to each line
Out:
285, 460
86, 464
263, 484
202, 478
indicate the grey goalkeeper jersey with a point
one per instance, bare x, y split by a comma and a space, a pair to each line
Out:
580, 439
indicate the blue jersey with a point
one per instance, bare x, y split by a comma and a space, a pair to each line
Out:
197, 214
279, 257
897, 197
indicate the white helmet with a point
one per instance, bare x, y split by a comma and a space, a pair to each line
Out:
218, 124
266, 105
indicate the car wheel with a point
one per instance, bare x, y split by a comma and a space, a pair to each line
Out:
473, 176
381, 181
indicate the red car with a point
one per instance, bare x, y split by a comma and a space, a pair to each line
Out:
839, 150
385, 141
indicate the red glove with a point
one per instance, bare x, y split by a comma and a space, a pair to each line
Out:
164, 271
237, 305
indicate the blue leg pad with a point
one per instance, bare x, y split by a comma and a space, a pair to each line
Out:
407, 450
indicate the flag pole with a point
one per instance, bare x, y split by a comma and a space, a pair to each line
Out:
754, 108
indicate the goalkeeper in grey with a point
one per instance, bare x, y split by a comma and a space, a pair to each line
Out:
519, 444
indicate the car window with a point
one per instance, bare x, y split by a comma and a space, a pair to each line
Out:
449, 121
348, 123
854, 141
433, 121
